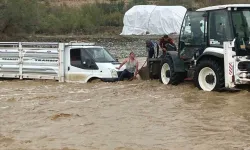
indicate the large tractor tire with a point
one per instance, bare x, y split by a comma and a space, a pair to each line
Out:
168, 74
209, 75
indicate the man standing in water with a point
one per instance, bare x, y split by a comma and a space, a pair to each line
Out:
131, 68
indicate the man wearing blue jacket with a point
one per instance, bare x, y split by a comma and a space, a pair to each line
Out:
152, 49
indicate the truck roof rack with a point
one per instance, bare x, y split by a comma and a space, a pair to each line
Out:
80, 43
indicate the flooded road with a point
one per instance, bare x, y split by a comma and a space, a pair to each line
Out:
136, 115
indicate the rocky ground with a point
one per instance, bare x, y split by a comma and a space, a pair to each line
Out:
119, 46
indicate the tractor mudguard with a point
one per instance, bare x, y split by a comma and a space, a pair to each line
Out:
179, 65
205, 54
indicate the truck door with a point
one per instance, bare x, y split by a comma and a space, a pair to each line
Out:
79, 66
193, 34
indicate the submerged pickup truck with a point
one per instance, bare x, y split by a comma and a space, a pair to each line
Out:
64, 62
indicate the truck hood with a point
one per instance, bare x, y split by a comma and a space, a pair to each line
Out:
110, 65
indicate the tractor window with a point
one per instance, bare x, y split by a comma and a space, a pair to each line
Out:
241, 23
219, 28
193, 33
238, 23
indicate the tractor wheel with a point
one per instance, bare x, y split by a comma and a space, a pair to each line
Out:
168, 75
209, 75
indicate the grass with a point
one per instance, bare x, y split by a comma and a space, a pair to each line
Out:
40, 17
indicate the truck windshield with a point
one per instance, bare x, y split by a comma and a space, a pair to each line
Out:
241, 23
100, 55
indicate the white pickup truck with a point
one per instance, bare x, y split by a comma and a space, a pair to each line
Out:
65, 62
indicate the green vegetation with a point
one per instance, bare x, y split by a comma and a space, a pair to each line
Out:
34, 16
40, 17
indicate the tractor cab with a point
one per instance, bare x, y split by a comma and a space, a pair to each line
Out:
192, 35
210, 27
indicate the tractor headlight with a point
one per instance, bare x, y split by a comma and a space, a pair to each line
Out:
114, 73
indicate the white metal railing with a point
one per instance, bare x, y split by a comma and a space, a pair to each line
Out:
17, 57
45, 60
9, 43
56, 44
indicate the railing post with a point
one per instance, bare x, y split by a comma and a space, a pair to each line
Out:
20, 49
61, 73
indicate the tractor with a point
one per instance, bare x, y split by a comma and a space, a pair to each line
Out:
213, 49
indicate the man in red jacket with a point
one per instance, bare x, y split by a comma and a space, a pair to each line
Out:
167, 44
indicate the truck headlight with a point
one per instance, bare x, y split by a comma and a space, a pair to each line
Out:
114, 73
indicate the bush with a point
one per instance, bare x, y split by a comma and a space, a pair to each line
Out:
112, 7
32, 16
113, 19
38, 16
18, 15
136, 2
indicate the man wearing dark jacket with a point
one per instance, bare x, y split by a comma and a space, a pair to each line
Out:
167, 44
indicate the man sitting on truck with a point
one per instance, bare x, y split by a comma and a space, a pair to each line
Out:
167, 44
131, 68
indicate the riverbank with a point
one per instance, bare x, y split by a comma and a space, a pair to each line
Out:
119, 46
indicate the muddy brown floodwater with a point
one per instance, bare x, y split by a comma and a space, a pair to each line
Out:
135, 115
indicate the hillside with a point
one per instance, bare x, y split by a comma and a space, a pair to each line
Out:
53, 17
81, 2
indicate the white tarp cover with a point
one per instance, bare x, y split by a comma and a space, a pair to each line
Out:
157, 20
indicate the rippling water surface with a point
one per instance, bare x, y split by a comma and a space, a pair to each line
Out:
137, 115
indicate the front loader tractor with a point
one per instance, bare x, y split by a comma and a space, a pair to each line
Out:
213, 49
